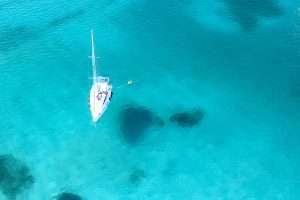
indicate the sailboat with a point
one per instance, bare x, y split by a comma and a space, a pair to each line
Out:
101, 90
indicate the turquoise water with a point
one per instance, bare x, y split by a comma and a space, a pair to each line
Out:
237, 61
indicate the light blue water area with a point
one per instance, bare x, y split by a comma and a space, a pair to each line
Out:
236, 62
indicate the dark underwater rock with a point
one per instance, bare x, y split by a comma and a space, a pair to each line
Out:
68, 196
136, 176
247, 13
15, 176
188, 118
135, 120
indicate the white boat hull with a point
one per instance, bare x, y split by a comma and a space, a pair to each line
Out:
100, 96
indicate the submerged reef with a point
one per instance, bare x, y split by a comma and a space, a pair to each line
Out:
68, 196
66, 18
15, 176
136, 176
187, 118
135, 120
13, 37
247, 13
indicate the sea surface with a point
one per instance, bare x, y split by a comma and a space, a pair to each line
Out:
213, 112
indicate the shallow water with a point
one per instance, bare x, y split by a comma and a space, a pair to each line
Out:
237, 61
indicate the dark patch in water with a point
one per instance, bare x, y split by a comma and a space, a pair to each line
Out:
135, 120
66, 18
248, 12
68, 196
187, 118
13, 37
15, 176
136, 176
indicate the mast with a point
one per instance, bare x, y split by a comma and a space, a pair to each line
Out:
93, 57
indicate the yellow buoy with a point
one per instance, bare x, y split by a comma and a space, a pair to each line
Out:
129, 82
